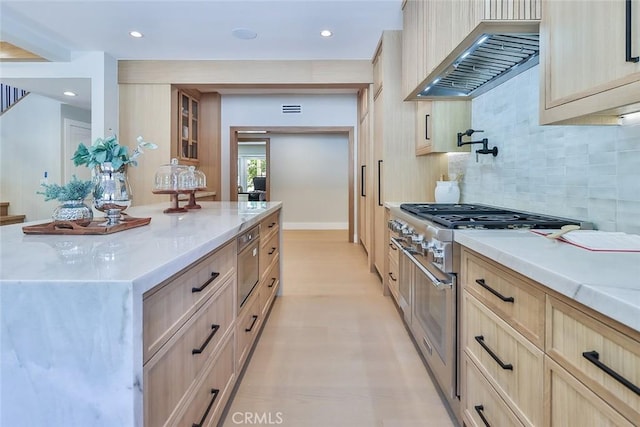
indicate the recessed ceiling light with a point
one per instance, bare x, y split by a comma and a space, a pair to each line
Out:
244, 33
326, 33
136, 34
69, 93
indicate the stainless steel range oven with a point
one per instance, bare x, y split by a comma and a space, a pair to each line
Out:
428, 268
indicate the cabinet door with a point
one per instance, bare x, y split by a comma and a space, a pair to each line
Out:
584, 58
410, 40
438, 123
364, 171
378, 196
511, 363
570, 403
188, 120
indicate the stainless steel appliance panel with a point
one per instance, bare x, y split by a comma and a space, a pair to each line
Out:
248, 269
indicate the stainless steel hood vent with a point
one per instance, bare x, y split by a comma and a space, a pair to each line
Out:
491, 60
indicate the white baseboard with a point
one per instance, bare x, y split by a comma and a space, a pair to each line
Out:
315, 225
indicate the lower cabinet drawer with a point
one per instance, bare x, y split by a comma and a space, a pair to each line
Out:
173, 369
482, 406
511, 363
269, 249
166, 307
212, 392
248, 326
572, 404
270, 284
596, 354
392, 276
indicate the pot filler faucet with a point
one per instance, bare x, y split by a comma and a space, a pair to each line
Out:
485, 143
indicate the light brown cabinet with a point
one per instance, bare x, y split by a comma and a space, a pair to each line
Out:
438, 124
187, 323
365, 175
188, 127
586, 78
398, 174
586, 366
195, 342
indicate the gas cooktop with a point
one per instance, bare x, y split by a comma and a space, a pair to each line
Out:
483, 216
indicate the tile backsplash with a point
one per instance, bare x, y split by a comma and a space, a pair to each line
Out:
584, 172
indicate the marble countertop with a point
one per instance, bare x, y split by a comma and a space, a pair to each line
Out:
72, 311
144, 255
607, 282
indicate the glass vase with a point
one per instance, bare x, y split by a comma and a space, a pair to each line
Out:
112, 193
75, 211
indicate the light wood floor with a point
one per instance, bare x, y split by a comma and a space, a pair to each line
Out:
334, 352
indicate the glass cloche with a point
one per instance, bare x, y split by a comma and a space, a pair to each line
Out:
167, 177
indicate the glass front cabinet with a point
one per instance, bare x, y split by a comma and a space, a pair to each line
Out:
188, 127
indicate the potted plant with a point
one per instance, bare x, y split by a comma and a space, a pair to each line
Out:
109, 161
71, 197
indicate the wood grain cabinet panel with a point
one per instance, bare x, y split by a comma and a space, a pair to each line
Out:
392, 275
248, 325
206, 403
269, 285
512, 364
586, 78
570, 403
269, 250
167, 306
172, 370
438, 124
481, 404
588, 348
515, 298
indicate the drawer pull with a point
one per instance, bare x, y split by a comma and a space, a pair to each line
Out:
271, 251
594, 357
482, 283
213, 277
214, 329
215, 392
393, 247
273, 282
479, 409
392, 278
507, 366
272, 225
253, 323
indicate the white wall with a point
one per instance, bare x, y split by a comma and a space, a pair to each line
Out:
309, 174
317, 110
584, 172
30, 135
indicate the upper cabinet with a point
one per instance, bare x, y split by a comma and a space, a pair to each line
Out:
439, 30
188, 126
589, 61
438, 123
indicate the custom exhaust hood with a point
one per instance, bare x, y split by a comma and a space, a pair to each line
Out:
490, 55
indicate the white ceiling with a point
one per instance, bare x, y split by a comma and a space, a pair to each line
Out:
286, 30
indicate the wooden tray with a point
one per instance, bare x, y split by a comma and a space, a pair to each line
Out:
95, 227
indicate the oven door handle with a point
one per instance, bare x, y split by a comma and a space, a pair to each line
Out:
439, 284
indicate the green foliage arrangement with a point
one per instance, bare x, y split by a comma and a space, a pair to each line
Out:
109, 150
74, 190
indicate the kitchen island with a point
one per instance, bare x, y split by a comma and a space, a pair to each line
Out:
71, 311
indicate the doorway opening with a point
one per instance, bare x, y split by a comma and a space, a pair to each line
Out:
237, 134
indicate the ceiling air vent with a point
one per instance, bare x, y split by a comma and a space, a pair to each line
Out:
291, 109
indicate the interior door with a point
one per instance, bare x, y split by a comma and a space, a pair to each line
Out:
75, 132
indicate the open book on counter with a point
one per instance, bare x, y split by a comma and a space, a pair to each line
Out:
595, 240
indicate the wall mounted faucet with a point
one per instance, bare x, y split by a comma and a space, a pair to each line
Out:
485, 143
